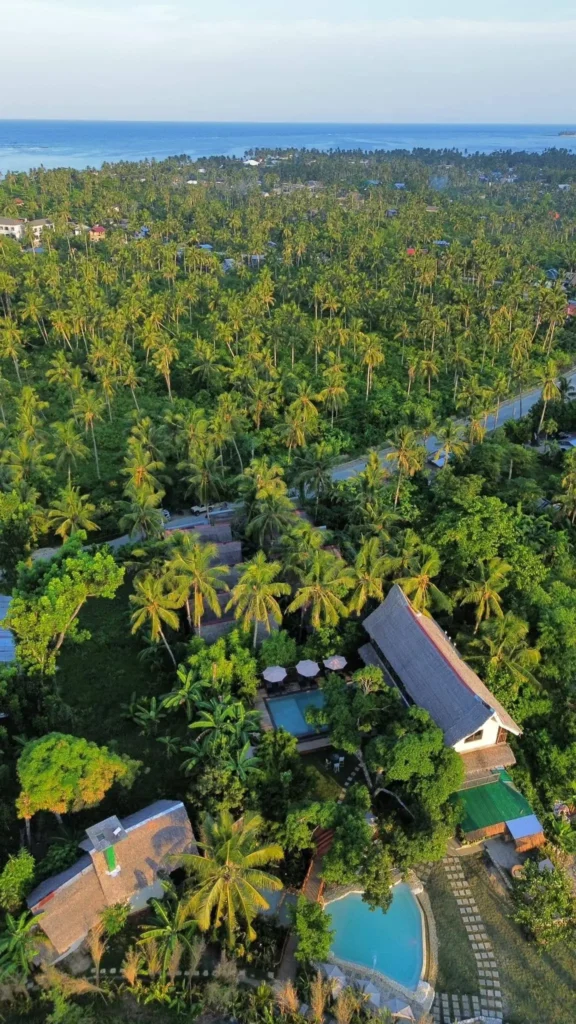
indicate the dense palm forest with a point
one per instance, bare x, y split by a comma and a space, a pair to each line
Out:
231, 335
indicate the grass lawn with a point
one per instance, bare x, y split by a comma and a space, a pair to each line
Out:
97, 677
537, 986
319, 758
457, 972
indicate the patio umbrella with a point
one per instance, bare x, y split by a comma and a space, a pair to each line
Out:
333, 974
373, 993
399, 1008
337, 662
274, 674
308, 668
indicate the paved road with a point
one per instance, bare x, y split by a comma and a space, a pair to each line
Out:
514, 409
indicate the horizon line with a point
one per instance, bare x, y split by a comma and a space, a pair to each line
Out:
372, 124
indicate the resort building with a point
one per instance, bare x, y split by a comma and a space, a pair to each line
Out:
418, 658
12, 227
121, 863
38, 226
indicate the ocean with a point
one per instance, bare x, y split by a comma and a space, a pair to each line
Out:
28, 144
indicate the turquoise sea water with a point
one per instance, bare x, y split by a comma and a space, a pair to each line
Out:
390, 943
288, 712
26, 144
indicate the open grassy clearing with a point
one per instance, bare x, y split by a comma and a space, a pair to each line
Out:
537, 986
96, 678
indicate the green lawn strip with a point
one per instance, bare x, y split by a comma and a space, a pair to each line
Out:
457, 973
537, 986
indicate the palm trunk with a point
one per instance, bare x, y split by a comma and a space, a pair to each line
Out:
96, 460
255, 637
397, 495
543, 415
169, 649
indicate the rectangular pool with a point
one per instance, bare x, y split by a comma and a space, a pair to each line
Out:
288, 712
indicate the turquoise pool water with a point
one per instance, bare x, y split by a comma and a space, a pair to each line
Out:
288, 712
390, 943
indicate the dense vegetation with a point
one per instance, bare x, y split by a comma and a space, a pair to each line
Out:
142, 372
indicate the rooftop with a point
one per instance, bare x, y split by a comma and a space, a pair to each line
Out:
431, 670
143, 843
7, 645
493, 803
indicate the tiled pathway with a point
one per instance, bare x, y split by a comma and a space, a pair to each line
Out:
488, 1003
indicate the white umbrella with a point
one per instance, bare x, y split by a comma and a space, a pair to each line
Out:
274, 674
308, 668
337, 662
399, 1008
370, 990
335, 975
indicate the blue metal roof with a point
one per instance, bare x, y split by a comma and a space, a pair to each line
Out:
7, 645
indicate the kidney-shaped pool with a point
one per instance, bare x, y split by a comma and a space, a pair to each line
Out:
391, 943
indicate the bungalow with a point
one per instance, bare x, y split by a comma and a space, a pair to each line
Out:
122, 862
418, 658
97, 233
38, 226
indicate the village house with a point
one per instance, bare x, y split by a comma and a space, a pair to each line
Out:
418, 658
97, 233
122, 862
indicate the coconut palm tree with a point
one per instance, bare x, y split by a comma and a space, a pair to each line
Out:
71, 512
155, 605
312, 471
325, 581
89, 408
141, 467
452, 438
418, 585
229, 873
68, 444
204, 474
269, 518
142, 514
20, 943
546, 380
372, 356
193, 571
502, 647
408, 454
254, 598
483, 590
367, 574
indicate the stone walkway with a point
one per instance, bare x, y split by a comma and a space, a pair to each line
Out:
488, 1003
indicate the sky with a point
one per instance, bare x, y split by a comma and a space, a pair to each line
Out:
365, 61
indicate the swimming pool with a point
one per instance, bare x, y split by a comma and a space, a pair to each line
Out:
391, 943
288, 712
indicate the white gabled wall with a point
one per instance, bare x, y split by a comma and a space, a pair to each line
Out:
489, 737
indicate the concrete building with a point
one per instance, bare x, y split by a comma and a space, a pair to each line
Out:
12, 227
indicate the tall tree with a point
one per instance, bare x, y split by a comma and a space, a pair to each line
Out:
255, 596
231, 882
